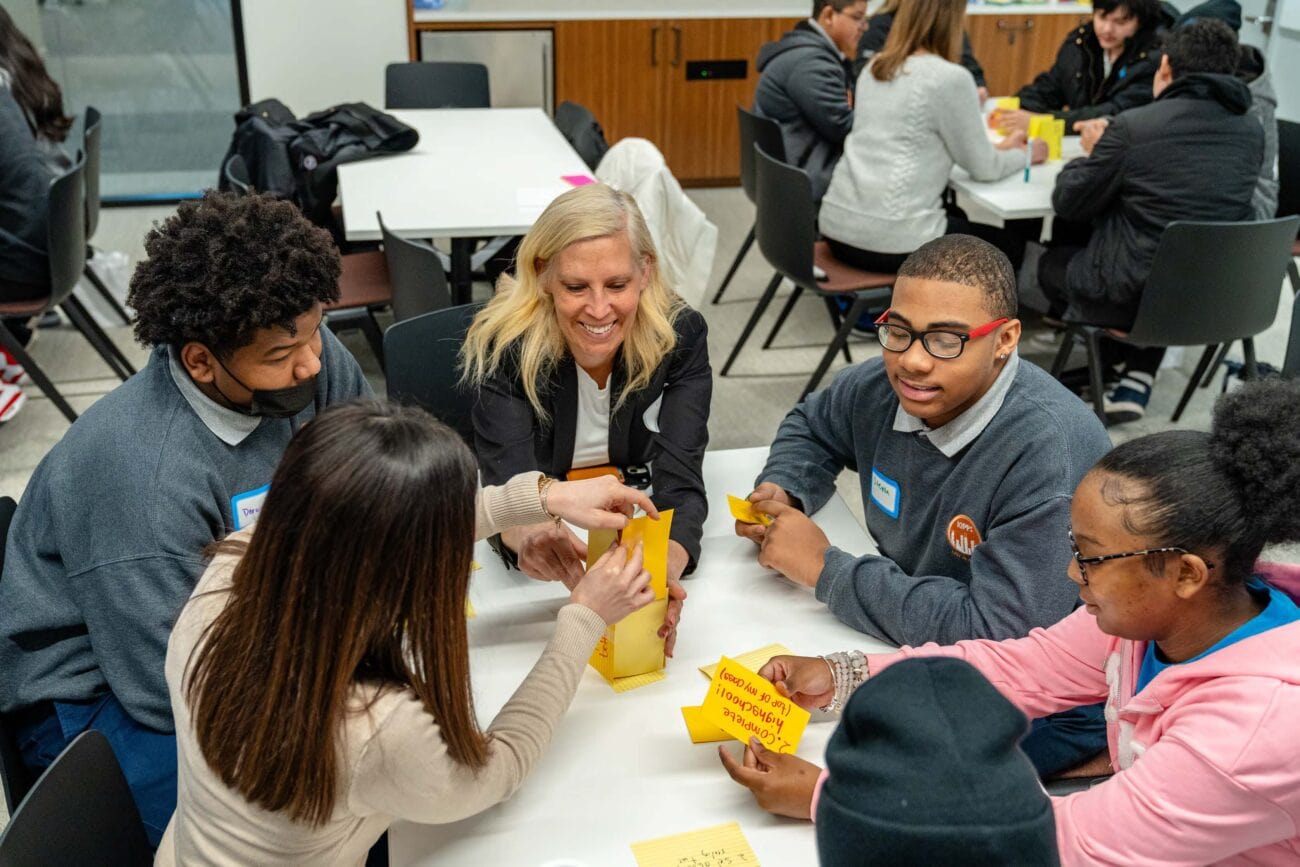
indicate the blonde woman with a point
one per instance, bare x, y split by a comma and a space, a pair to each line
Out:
586, 359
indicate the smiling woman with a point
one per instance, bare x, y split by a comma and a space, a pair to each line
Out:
587, 360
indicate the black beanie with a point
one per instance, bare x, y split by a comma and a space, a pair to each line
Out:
925, 768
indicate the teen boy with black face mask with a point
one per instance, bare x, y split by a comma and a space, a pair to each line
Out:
107, 542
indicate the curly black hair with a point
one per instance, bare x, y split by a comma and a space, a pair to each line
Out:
224, 266
1230, 491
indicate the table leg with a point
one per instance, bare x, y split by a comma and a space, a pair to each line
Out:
462, 284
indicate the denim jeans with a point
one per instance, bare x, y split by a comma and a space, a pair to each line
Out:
147, 757
1063, 740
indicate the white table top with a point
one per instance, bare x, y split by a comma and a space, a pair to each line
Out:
461, 11
621, 767
1012, 198
475, 172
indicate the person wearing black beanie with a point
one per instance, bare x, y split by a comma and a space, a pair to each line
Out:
925, 768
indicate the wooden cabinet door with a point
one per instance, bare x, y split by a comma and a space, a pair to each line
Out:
1015, 48
615, 69
701, 141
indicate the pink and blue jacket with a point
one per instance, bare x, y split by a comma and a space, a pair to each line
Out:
1207, 757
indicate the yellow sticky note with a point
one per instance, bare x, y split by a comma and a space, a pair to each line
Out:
598, 542
719, 846
653, 536
1008, 103
744, 511
636, 681
470, 613
701, 731
743, 704
753, 660
632, 646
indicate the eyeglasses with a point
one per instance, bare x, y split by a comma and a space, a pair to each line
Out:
939, 342
1084, 562
860, 20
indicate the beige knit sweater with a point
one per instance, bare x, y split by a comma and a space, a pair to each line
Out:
395, 764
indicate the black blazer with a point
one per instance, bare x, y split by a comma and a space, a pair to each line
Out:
509, 439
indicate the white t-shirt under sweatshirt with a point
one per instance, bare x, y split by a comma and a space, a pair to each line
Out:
886, 192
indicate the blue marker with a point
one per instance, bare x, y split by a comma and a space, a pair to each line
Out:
1029, 149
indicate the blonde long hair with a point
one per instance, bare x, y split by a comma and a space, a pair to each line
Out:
930, 25
522, 312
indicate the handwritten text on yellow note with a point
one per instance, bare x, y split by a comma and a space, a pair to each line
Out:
743, 704
719, 846
744, 512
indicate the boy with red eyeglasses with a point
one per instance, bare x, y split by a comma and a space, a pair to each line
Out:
968, 458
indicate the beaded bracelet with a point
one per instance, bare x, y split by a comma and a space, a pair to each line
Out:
848, 672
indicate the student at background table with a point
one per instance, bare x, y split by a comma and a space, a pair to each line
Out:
587, 359
967, 458
878, 27
109, 536
320, 673
916, 115
1193, 154
1104, 66
805, 86
1189, 639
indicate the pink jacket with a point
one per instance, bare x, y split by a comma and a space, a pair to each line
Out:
1207, 756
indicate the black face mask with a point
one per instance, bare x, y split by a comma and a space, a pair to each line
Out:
272, 402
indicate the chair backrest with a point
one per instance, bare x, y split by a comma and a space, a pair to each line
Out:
785, 225
90, 138
1214, 282
420, 355
415, 272
236, 172
79, 812
582, 131
761, 131
66, 231
1288, 168
15, 779
441, 84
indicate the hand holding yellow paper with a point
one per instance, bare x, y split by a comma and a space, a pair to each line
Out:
719, 846
743, 704
1050, 130
632, 647
744, 511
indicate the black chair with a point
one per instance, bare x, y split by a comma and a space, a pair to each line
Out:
67, 252
1288, 185
415, 273
427, 84
15, 778
786, 231
91, 136
79, 812
1210, 284
582, 131
764, 133
236, 173
424, 368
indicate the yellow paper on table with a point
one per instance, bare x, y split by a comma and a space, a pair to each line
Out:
632, 646
1007, 103
701, 731
470, 613
1044, 126
1057, 141
743, 704
719, 846
744, 511
753, 660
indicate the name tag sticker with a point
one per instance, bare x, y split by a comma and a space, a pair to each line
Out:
245, 507
884, 493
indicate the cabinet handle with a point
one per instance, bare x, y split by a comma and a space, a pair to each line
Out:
654, 45
1012, 29
677, 46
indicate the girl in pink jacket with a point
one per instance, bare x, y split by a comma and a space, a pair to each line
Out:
1193, 645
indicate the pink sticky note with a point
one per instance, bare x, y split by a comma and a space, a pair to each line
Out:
578, 180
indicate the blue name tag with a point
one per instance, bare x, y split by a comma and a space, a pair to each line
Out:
245, 507
885, 493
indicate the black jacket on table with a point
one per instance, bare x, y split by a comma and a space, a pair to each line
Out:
509, 439
873, 39
804, 86
1077, 87
1193, 154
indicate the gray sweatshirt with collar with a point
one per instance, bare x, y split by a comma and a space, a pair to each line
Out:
1019, 453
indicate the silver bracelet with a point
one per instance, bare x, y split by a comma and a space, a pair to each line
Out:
848, 672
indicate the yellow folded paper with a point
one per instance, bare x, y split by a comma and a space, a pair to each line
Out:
745, 705
719, 846
632, 646
744, 511
1007, 103
753, 660
636, 681
700, 730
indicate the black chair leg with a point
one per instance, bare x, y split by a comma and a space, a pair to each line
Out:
1201, 367
785, 311
1092, 336
1214, 366
735, 263
375, 337
841, 337
764, 300
1248, 350
1294, 274
1063, 354
38, 376
108, 296
95, 335
837, 323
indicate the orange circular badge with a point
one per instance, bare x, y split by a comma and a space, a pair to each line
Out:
962, 536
